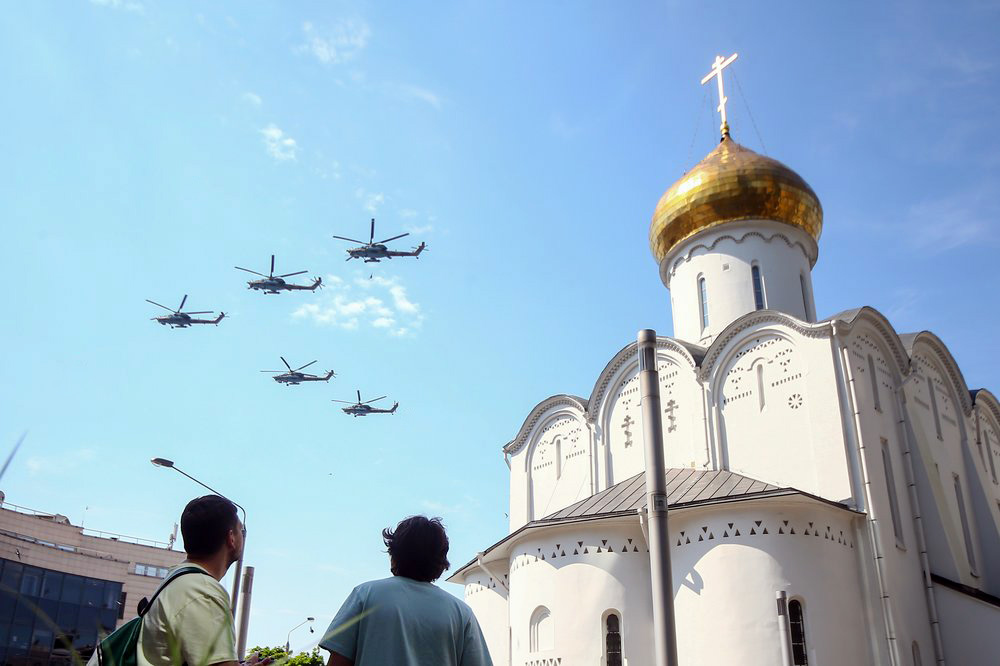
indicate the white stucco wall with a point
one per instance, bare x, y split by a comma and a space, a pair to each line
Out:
969, 629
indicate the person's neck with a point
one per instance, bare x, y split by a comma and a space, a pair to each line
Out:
216, 565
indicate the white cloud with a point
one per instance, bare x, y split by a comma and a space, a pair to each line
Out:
125, 5
340, 43
252, 99
370, 201
411, 91
376, 303
279, 145
408, 212
953, 221
418, 229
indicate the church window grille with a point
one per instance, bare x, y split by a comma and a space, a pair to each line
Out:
890, 486
966, 531
758, 288
540, 630
917, 661
797, 626
613, 641
934, 406
874, 379
703, 302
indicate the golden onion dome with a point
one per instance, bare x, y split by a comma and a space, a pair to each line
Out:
732, 183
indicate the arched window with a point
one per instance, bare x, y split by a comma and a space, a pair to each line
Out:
557, 444
797, 625
613, 640
758, 287
932, 395
703, 302
540, 630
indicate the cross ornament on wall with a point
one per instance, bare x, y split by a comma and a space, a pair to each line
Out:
716, 72
626, 424
669, 411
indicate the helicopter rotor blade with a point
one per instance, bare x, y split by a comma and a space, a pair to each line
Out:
359, 396
372, 236
352, 240
372, 400
249, 271
183, 301
199, 312
291, 274
273, 371
304, 366
272, 266
394, 238
346, 402
162, 306
286, 363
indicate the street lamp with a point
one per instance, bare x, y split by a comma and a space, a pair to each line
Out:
288, 640
163, 462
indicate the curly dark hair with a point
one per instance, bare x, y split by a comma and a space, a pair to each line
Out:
418, 547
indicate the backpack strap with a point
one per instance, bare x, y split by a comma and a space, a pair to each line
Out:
144, 605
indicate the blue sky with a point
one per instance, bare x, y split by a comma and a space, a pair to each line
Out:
152, 146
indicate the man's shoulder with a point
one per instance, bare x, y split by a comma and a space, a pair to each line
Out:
397, 585
188, 587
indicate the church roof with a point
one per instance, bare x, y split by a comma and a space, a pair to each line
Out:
686, 487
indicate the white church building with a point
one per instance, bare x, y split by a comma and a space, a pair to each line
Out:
836, 460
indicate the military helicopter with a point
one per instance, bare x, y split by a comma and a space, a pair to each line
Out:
272, 284
373, 252
359, 408
296, 376
178, 319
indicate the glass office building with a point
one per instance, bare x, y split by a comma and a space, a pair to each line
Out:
46, 616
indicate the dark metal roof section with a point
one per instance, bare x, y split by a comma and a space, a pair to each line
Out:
684, 486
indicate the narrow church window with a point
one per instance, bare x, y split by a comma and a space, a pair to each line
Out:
760, 386
758, 288
917, 661
703, 302
613, 641
966, 532
558, 447
874, 379
805, 297
890, 485
796, 623
989, 455
934, 406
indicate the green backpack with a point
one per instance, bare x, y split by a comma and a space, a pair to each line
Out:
119, 647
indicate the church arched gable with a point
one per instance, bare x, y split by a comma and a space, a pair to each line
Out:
762, 402
881, 333
557, 463
933, 352
616, 414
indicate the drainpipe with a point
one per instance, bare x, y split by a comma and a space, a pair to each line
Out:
707, 426
482, 565
918, 527
783, 630
643, 525
873, 531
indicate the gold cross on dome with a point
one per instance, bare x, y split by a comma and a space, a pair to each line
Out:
717, 68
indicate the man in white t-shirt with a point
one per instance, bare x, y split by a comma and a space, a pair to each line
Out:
406, 620
191, 621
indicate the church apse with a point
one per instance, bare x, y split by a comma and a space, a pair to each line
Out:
558, 466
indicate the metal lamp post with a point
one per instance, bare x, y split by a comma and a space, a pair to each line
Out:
288, 640
163, 462
664, 634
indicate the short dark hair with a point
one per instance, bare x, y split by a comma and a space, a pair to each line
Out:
419, 548
206, 523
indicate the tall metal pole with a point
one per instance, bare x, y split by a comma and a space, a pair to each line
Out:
781, 598
241, 636
163, 462
664, 633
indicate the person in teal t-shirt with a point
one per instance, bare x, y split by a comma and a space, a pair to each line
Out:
406, 620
